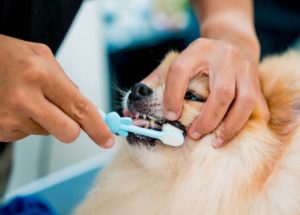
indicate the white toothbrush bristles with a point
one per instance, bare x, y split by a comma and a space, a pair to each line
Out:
172, 136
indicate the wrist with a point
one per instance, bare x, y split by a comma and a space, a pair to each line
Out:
236, 29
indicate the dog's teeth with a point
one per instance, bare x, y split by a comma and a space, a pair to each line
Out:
144, 116
152, 123
152, 118
137, 115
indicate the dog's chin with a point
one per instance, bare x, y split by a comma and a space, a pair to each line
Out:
135, 139
148, 121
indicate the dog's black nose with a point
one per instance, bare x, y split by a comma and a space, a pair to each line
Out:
139, 91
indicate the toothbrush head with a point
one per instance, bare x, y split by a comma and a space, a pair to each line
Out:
172, 136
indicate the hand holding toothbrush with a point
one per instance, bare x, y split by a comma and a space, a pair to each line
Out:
38, 98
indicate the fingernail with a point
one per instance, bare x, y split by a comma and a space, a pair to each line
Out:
195, 135
109, 143
218, 143
170, 115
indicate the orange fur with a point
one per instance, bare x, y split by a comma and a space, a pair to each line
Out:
258, 172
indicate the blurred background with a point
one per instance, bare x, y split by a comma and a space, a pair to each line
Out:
111, 45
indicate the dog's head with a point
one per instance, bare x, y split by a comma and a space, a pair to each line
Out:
145, 105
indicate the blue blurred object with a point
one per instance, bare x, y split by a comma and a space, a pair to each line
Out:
62, 190
27, 205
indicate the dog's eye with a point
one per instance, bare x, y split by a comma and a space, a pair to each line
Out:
191, 96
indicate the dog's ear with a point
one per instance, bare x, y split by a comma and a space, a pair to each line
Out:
280, 80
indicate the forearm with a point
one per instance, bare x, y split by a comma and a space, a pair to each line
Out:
230, 21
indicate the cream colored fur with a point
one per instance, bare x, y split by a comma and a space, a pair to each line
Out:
258, 172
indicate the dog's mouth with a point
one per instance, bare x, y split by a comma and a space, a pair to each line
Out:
150, 122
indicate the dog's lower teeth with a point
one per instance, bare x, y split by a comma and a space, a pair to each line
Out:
152, 123
150, 117
144, 116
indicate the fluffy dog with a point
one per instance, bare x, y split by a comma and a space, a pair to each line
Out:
258, 172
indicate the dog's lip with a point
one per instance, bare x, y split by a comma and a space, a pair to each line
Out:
126, 113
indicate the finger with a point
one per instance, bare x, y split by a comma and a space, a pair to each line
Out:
54, 121
213, 111
68, 98
239, 113
185, 66
233, 123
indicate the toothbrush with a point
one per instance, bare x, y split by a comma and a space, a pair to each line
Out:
169, 135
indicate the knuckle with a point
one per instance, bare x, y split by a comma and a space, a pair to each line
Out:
37, 73
18, 100
79, 109
248, 98
34, 70
225, 93
42, 49
199, 41
177, 67
31, 62
72, 136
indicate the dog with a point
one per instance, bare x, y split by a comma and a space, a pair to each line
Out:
258, 172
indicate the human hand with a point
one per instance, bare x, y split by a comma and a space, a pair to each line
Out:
233, 83
37, 97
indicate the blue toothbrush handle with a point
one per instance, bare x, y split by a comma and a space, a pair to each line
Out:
123, 125
114, 122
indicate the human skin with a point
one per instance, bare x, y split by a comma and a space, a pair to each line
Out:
37, 97
228, 52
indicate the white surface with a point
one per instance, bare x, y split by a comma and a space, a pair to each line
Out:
82, 55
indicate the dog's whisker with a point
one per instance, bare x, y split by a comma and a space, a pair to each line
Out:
120, 90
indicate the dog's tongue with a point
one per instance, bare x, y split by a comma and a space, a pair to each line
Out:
140, 122
125, 112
